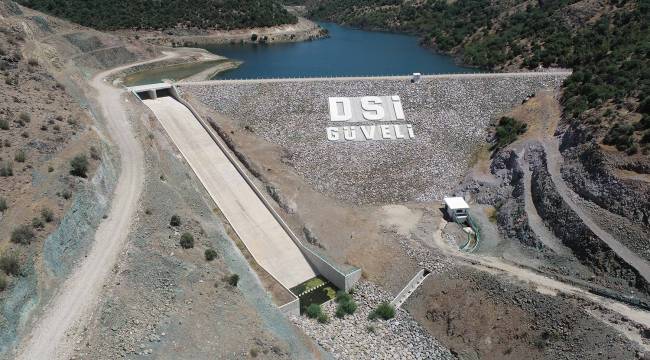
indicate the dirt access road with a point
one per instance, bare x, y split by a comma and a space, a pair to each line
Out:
78, 295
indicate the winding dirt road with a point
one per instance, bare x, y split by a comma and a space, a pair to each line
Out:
78, 295
554, 162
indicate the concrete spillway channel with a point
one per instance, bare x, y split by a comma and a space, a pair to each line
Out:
268, 239
410, 288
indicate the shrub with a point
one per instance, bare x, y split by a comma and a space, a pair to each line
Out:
313, 311
349, 307
24, 134
342, 296
3, 282
175, 220
4, 124
644, 106
187, 241
37, 223
346, 305
384, 311
6, 169
20, 156
10, 264
66, 194
323, 318
47, 215
233, 280
79, 166
620, 135
32, 62
254, 37
3, 204
645, 139
210, 254
50, 169
23, 234
340, 313
25, 117
94, 153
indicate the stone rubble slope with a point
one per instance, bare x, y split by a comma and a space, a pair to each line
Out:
356, 337
449, 117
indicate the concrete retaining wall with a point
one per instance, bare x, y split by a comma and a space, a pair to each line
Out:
292, 308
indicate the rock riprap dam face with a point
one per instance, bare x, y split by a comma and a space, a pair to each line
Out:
448, 117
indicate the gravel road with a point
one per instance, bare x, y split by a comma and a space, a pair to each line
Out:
78, 295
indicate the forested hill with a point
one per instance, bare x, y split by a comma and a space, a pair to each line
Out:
164, 14
606, 43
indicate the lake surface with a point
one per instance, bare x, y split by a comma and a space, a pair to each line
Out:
347, 52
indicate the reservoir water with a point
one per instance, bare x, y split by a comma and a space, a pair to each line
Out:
347, 52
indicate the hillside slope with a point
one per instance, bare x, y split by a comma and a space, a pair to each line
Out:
605, 42
147, 14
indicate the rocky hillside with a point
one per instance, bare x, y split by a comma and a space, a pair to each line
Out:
147, 14
605, 42
56, 174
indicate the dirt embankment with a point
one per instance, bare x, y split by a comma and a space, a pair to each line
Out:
480, 316
304, 30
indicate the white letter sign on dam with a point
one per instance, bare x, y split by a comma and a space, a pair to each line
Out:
375, 109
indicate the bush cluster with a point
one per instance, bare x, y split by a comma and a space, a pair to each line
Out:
507, 131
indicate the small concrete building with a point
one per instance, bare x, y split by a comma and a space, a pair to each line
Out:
416, 77
456, 208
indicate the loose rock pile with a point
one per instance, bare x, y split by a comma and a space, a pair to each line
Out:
356, 337
449, 117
